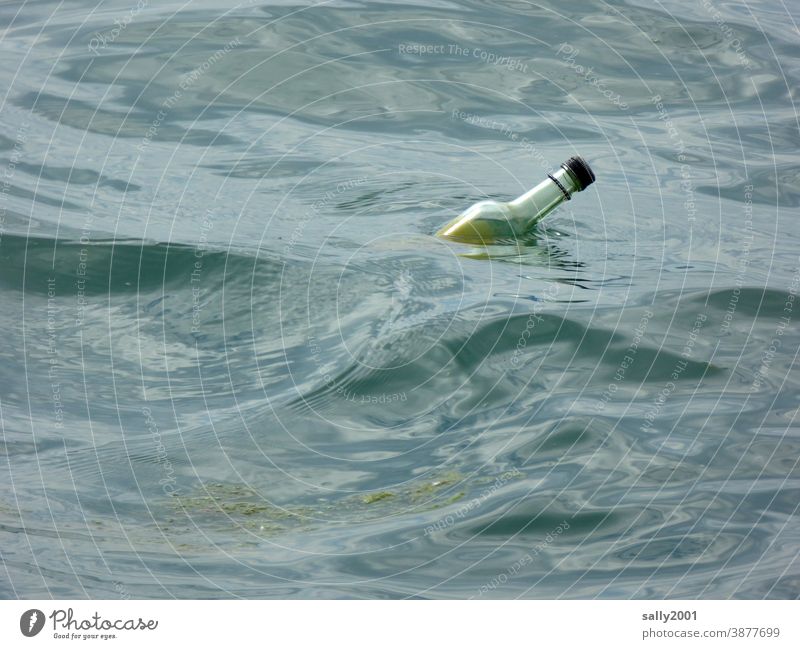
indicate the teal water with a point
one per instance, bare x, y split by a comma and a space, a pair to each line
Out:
236, 363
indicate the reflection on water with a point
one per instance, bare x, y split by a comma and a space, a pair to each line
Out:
236, 362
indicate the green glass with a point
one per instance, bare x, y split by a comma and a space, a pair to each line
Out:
490, 221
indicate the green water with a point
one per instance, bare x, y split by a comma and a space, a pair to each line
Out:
236, 363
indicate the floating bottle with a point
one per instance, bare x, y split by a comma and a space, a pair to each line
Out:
490, 221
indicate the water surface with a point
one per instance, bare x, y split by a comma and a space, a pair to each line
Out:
236, 363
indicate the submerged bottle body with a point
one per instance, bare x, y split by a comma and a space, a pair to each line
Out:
489, 221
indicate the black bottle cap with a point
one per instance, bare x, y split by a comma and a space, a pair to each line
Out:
580, 170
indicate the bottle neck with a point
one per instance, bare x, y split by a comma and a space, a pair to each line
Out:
549, 193
566, 180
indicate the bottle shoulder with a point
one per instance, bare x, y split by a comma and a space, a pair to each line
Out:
489, 209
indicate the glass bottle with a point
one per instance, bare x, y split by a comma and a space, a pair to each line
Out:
489, 221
